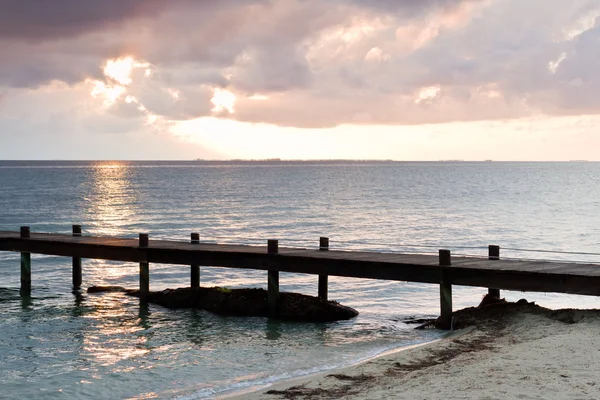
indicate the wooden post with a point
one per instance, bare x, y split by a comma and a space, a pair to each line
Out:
445, 258
323, 243
445, 291
77, 270
195, 269
25, 266
273, 246
494, 254
323, 279
144, 269
273, 281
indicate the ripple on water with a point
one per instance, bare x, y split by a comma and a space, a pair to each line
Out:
107, 346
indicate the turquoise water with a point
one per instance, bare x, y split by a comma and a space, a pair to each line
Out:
61, 345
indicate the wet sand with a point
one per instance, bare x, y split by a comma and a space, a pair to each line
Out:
509, 352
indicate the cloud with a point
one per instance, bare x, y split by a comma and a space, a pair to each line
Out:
310, 63
41, 20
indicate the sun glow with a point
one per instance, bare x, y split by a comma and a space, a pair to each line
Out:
120, 69
118, 73
110, 94
571, 138
223, 100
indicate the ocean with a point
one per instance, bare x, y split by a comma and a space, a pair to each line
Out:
60, 345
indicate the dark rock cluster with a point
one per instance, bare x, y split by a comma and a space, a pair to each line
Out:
244, 302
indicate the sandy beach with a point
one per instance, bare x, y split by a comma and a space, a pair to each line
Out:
510, 351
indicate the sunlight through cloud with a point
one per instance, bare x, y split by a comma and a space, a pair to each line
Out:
120, 69
110, 94
223, 100
427, 94
118, 73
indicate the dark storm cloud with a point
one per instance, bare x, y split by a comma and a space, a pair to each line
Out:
51, 19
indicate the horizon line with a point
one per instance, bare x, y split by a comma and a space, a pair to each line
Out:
279, 160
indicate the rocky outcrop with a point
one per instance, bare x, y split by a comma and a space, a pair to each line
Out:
244, 302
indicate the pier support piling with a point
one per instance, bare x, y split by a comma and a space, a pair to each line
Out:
25, 266
494, 254
323, 279
144, 270
195, 269
273, 281
77, 269
445, 291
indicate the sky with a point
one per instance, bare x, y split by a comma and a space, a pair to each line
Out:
300, 79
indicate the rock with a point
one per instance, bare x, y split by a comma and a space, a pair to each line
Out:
102, 289
415, 320
489, 299
523, 302
490, 312
245, 302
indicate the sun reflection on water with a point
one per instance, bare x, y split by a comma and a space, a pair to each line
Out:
111, 198
117, 336
111, 209
117, 339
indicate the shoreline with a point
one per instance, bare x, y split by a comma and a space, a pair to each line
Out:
260, 389
510, 350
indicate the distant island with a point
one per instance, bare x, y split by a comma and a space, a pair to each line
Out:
298, 161
324, 161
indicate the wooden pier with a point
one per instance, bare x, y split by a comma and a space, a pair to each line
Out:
488, 271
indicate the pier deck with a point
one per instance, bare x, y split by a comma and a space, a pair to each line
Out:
536, 276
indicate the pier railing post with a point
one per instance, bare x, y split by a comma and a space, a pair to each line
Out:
25, 266
323, 279
445, 291
494, 254
195, 269
144, 269
273, 281
77, 270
